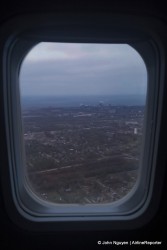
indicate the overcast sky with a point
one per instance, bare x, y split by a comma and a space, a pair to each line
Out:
82, 69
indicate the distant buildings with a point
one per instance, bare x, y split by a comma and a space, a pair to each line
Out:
135, 131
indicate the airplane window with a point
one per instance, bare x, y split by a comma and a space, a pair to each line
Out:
83, 110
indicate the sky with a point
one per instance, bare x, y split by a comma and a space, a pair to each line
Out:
82, 69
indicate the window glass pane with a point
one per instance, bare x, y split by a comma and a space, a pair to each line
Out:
83, 111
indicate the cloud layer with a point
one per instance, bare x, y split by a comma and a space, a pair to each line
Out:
83, 69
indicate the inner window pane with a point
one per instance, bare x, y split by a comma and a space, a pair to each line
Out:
83, 110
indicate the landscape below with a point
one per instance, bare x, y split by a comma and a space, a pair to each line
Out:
88, 154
